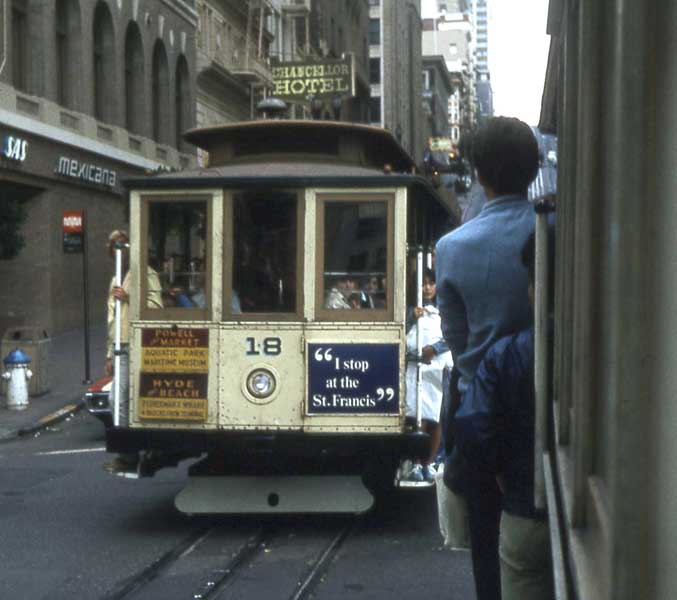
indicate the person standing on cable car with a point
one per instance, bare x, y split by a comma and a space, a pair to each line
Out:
154, 300
482, 296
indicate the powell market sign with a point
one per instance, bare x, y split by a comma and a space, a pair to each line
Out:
296, 81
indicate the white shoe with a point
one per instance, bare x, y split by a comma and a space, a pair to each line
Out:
429, 473
405, 469
416, 473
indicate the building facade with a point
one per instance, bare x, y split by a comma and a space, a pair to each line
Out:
234, 42
395, 71
239, 43
92, 92
484, 93
466, 23
437, 89
450, 34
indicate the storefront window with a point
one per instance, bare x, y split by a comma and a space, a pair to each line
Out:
264, 252
355, 256
177, 253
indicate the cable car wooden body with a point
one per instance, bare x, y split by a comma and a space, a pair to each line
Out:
278, 354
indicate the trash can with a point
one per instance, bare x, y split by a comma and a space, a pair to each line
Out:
35, 342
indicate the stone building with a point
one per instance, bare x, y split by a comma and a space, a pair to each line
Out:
233, 58
395, 71
239, 41
92, 91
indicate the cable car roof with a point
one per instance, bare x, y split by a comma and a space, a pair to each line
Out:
350, 143
284, 153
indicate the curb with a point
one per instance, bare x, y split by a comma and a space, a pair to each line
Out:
51, 419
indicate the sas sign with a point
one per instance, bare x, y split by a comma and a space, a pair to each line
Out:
14, 148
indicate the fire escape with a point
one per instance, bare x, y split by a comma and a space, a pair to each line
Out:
254, 68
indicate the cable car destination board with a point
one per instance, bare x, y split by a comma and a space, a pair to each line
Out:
174, 374
353, 378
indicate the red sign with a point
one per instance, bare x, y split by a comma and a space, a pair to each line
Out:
72, 221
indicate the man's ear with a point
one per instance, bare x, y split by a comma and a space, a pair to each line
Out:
488, 190
480, 179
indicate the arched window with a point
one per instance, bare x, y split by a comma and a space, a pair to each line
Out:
183, 120
161, 123
67, 37
134, 105
104, 64
20, 54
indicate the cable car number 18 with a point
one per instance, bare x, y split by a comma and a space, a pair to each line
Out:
270, 346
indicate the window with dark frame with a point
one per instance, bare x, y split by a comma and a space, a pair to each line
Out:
374, 31
265, 252
62, 87
375, 109
104, 60
355, 269
20, 65
160, 93
178, 245
374, 70
134, 80
182, 100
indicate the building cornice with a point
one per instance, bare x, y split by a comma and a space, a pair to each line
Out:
183, 9
63, 136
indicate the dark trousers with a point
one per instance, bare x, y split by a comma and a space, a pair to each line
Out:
484, 503
484, 515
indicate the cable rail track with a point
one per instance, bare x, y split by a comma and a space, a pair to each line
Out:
130, 587
307, 572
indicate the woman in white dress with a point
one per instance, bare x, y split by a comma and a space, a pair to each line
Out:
435, 356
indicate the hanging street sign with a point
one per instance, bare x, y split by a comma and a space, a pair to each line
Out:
297, 81
73, 231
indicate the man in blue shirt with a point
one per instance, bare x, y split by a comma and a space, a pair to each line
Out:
482, 296
494, 431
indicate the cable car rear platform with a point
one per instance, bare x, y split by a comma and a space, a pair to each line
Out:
273, 472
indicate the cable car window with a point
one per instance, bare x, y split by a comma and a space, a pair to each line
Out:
355, 269
176, 244
265, 226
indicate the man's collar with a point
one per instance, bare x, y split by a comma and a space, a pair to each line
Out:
500, 201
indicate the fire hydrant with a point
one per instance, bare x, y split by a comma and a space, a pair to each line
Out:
18, 375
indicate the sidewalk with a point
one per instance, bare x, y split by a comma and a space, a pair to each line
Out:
66, 372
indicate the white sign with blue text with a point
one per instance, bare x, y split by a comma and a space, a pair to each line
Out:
353, 378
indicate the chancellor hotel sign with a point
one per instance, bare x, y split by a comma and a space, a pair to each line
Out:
321, 79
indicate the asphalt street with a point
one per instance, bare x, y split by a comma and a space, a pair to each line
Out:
71, 530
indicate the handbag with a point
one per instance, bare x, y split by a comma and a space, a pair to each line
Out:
452, 510
452, 507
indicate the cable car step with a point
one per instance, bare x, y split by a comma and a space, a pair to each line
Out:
274, 494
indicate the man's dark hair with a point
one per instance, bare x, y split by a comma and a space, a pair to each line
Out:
505, 154
529, 259
429, 274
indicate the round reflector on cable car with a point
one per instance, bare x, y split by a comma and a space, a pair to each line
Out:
261, 383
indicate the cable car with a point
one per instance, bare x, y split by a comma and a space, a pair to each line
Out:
278, 352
